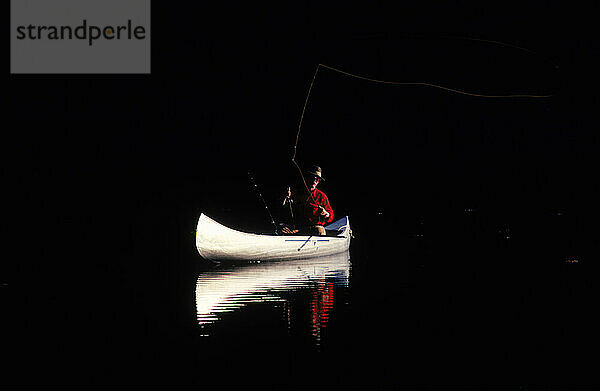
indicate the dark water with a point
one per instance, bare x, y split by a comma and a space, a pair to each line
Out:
464, 298
468, 298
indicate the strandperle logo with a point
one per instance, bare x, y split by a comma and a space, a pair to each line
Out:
80, 36
85, 31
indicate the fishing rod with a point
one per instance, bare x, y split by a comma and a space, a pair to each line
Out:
263, 201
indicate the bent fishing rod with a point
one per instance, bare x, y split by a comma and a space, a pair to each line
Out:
394, 83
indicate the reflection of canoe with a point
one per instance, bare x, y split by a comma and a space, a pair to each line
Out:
216, 242
225, 290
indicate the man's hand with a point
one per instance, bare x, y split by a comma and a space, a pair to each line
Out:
324, 212
288, 197
286, 230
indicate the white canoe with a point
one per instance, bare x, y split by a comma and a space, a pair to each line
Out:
216, 242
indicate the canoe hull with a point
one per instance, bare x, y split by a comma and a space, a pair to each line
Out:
217, 242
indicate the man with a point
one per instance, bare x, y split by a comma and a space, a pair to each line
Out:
314, 209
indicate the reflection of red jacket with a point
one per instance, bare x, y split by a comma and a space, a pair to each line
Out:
313, 212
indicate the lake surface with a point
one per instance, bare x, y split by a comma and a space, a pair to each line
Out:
468, 298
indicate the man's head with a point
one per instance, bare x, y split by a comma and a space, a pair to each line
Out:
314, 177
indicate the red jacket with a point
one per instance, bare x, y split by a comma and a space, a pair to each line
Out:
312, 210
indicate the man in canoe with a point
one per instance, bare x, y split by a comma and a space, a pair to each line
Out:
314, 208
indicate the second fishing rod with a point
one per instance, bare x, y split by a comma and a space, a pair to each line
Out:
256, 189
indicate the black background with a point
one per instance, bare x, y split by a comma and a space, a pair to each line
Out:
107, 173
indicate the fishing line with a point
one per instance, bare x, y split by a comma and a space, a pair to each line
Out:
423, 84
430, 85
510, 45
